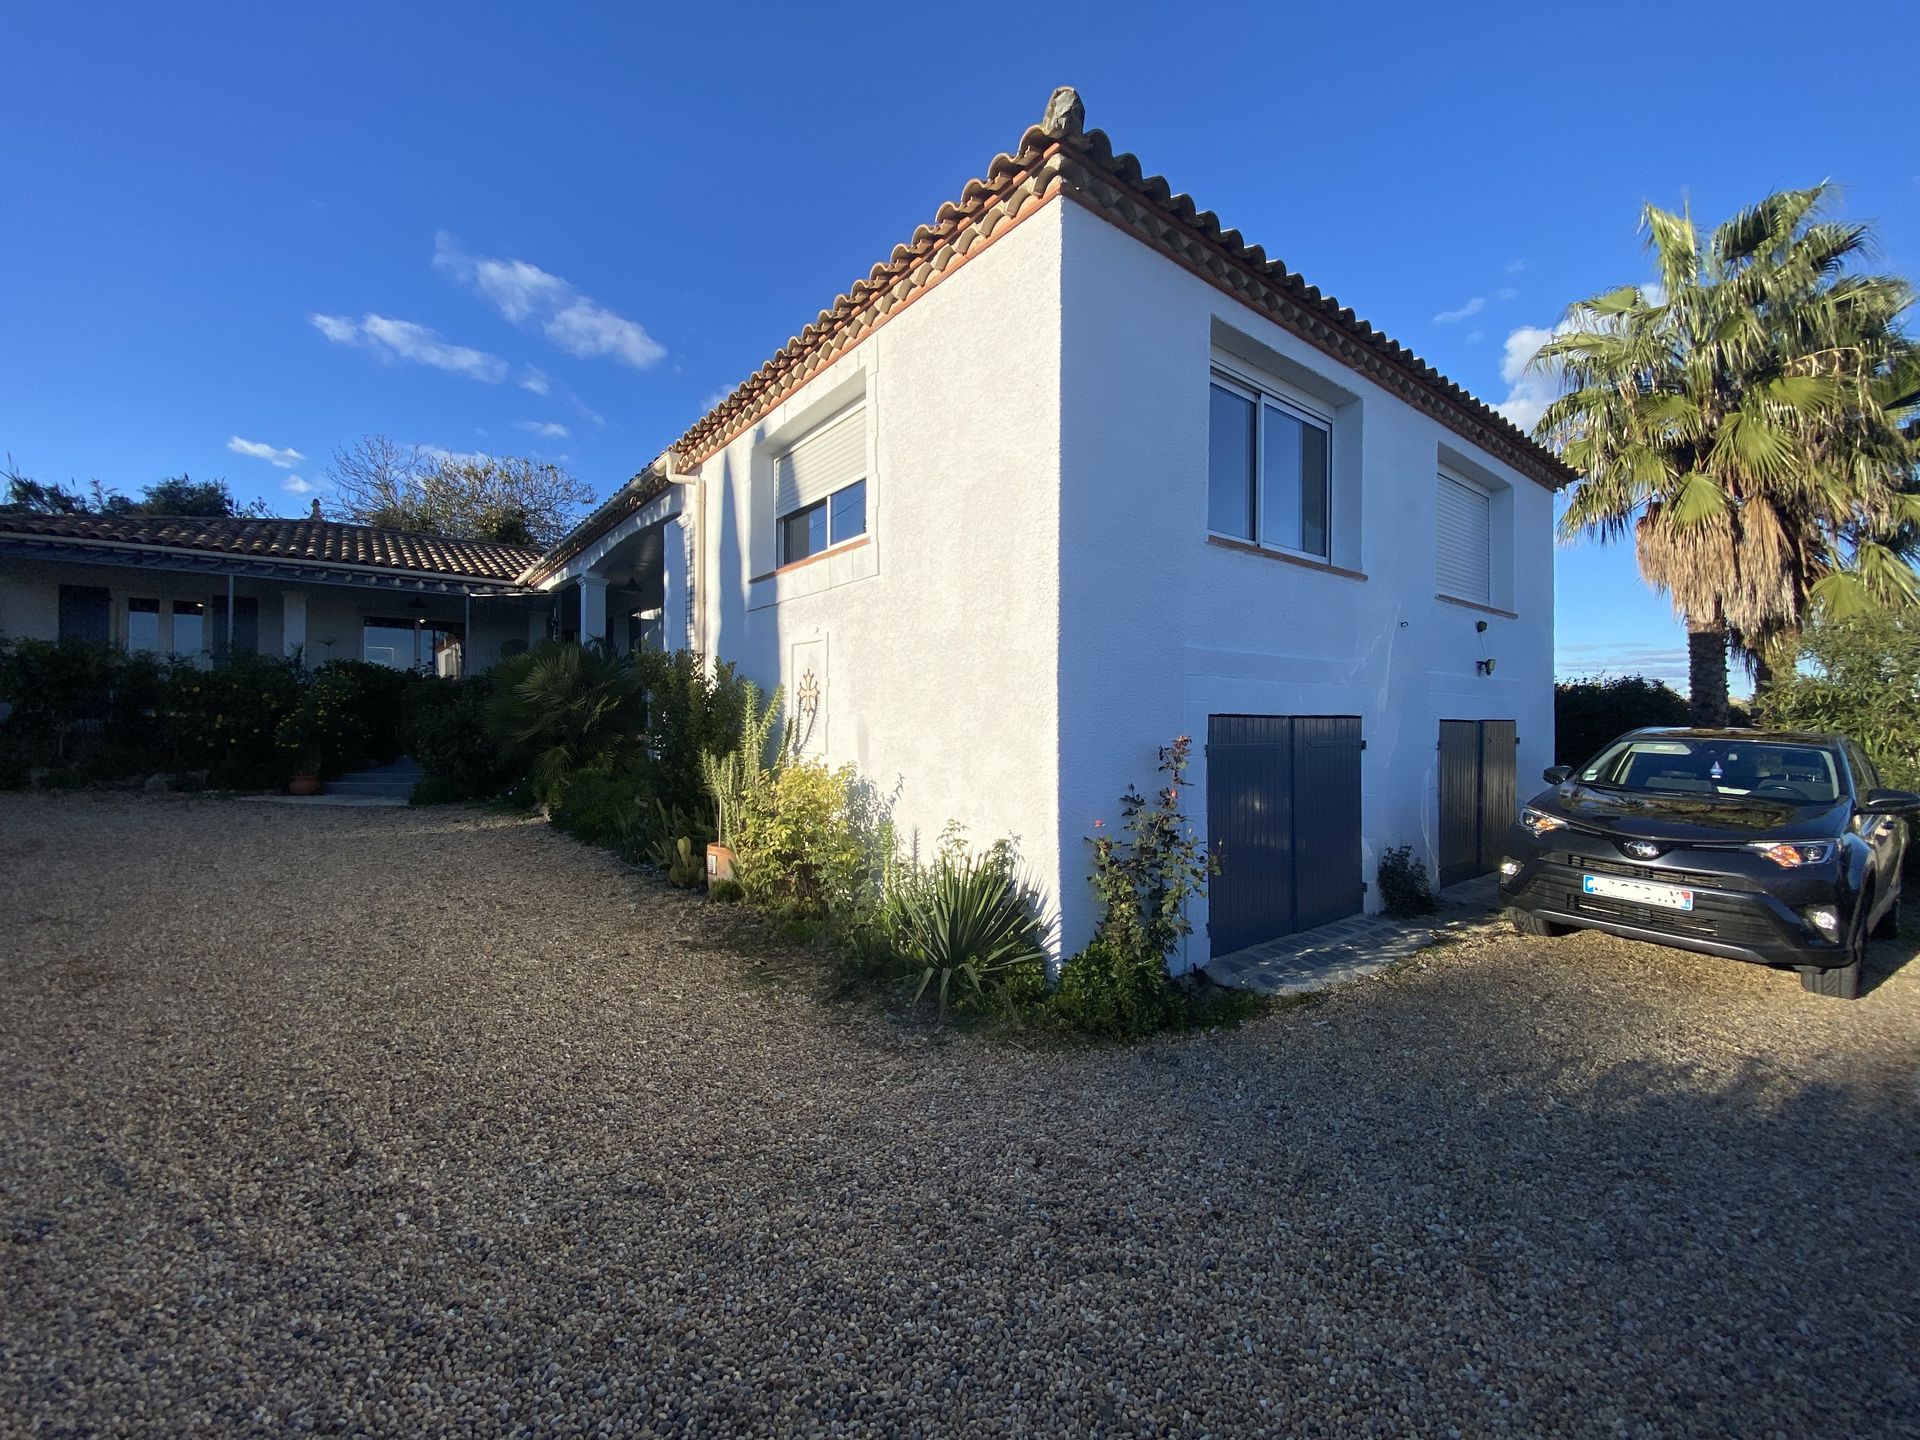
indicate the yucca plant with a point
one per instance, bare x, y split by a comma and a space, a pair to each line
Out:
963, 920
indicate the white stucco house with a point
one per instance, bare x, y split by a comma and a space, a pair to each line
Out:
1072, 472
1076, 470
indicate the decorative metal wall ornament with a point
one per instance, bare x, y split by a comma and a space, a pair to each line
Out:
806, 701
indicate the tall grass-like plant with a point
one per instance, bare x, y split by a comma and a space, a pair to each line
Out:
558, 708
963, 921
729, 776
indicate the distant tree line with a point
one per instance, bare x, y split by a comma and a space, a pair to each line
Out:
373, 481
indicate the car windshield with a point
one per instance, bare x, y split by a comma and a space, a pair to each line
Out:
1723, 769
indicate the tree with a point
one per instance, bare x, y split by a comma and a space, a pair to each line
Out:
1741, 420
470, 497
1860, 677
176, 495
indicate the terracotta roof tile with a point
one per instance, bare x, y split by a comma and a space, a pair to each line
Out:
1064, 159
301, 541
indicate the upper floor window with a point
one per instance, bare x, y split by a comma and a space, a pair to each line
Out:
1463, 529
1269, 469
820, 487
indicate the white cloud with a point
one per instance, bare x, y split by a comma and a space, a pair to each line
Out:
1506, 292
1514, 267
392, 339
294, 485
545, 429
458, 457
259, 450
337, 328
1474, 337
1467, 311
1529, 392
713, 400
586, 411
536, 380
525, 293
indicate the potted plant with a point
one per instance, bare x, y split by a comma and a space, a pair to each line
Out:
301, 738
728, 776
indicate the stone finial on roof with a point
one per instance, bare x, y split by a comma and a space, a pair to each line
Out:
1066, 114
316, 507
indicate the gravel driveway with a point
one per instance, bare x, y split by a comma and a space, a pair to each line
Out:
436, 1123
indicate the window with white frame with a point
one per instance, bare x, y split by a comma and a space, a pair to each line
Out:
1269, 468
1463, 529
820, 487
143, 625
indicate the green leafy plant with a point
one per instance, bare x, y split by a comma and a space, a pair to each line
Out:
559, 708
324, 734
444, 728
1404, 888
687, 714
610, 803
1146, 875
1117, 991
726, 892
965, 920
728, 774
808, 844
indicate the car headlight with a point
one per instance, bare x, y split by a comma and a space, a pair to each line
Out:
1538, 822
1789, 856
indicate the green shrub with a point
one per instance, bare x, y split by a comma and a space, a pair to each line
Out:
444, 728
1860, 678
61, 695
809, 845
434, 790
558, 708
226, 719
963, 920
14, 774
610, 803
687, 714
726, 892
1404, 888
1119, 991
376, 695
325, 734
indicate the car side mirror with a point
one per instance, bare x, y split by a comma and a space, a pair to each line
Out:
1890, 802
1557, 774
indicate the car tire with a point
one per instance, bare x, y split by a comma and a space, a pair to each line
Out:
1842, 982
1527, 923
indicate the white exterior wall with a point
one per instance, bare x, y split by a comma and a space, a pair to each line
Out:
939, 636
1160, 629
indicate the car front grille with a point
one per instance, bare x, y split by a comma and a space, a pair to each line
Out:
1728, 919
1695, 879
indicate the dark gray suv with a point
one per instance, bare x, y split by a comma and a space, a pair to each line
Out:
1775, 847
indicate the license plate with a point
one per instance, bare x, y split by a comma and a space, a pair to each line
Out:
1640, 892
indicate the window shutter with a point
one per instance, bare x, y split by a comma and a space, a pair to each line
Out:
821, 461
1464, 557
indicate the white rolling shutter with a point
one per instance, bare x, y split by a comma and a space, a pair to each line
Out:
1464, 554
821, 461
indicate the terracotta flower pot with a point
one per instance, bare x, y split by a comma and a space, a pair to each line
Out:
304, 785
719, 863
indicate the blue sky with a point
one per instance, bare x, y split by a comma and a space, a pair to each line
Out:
238, 236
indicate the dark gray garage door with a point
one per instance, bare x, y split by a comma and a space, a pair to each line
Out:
1477, 795
1283, 822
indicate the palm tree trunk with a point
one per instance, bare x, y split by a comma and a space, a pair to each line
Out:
1707, 671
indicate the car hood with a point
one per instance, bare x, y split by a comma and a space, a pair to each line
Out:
1690, 818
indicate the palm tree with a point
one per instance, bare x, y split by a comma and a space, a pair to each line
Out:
1740, 418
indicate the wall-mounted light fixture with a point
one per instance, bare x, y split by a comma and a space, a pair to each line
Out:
1484, 665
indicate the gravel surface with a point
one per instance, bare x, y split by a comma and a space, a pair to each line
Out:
436, 1123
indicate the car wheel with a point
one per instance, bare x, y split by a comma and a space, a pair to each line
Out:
1842, 982
1527, 923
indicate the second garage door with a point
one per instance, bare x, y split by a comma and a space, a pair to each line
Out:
1283, 821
